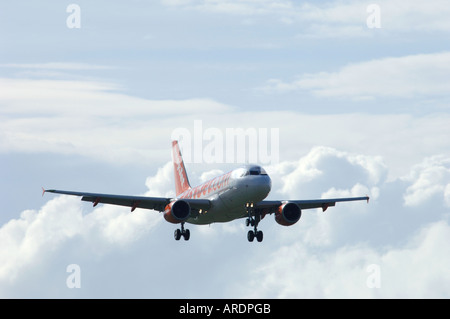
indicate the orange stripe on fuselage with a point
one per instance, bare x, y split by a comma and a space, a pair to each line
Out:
206, 188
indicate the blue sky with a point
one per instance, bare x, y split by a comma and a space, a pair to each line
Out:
359, 110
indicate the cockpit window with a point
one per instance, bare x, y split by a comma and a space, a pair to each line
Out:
248, 170
240, 172
257, 170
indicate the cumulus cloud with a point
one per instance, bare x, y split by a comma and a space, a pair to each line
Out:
37, 237
352, 251
447, 195
162, 184
28, 239
430, 179
331, 254
418, 269
327, 173
321, 164
409, 188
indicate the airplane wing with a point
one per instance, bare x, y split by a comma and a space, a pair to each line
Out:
155, 203
271, 205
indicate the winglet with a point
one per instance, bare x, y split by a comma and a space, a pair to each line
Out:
43, 191
368, 198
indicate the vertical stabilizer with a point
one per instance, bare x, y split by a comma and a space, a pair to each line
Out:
181, 179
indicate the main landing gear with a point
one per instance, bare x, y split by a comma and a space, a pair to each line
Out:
182, 232
253, 221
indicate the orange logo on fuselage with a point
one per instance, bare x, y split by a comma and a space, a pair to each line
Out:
208, 187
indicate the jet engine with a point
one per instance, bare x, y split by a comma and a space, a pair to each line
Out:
177, 212
288, 214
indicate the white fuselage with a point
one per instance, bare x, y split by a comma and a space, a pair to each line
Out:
229, 194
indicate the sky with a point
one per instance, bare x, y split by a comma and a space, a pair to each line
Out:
357, 92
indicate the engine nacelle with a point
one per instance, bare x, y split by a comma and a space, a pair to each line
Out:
177, 212
288, 214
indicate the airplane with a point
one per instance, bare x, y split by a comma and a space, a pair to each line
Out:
239, 193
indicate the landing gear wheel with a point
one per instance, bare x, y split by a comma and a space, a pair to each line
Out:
187, 234
259, 236
177, 234
250, 235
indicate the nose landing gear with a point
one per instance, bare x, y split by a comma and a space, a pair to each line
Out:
253, 219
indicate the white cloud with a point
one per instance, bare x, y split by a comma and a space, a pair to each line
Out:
175, 2
428, 179
399, 77
36, 236
210, 174
418, 269
78, 116
162, 184
327, 173
333, 32
415, 16
32, 122
322, 163
324, 255
240, 7
90, 119
392, 157
345, 238
447, 195
89, 99
335, 18
332, 254
57, 66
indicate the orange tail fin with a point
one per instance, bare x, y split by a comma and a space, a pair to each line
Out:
181, 179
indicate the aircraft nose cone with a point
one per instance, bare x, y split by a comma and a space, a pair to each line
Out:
261, 187
267, 186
